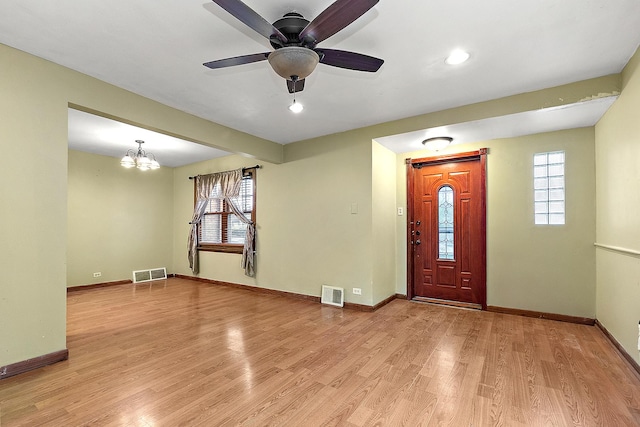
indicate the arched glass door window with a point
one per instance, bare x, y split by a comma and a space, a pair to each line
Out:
445, 222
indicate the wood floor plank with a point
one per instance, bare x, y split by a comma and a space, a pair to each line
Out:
178, 352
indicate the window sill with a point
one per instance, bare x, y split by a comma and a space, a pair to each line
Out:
229, 249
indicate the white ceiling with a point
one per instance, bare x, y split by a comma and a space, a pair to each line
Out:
156, 49
99, 135
572, 116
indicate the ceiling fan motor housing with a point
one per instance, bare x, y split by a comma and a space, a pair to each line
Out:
290, 26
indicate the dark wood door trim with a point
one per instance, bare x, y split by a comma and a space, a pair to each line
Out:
412, 165
410, 182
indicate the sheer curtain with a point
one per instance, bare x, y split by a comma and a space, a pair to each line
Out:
225, 186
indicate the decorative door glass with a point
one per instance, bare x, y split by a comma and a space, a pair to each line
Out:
445, 222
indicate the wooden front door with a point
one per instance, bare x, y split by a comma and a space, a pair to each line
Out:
447, 228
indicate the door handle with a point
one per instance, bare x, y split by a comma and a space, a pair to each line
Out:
418, 242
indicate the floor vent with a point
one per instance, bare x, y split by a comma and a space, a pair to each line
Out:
149, 275
332, 295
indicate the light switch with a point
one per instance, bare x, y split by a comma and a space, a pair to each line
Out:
354, 208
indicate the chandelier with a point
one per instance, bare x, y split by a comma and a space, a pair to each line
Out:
140, 159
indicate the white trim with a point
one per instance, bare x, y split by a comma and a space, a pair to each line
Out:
151, 274
332, 295
618, 249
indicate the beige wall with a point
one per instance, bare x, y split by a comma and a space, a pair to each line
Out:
119, 220
541, 268
618, 213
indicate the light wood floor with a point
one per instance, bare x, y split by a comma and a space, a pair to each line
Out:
186, 353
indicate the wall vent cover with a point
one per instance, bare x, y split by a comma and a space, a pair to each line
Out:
149, 275
332, 295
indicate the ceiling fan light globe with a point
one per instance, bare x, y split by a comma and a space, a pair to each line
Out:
292, 61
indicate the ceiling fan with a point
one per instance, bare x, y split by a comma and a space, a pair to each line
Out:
294, 40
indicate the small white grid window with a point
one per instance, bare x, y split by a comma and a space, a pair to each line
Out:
548, 188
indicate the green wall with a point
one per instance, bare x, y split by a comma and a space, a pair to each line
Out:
618, 213
383, 226
119, 220
33, 210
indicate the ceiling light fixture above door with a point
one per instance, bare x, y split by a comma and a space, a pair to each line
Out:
437, 143
139, 159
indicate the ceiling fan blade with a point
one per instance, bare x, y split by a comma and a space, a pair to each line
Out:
297, 86
250, 18
333, 19
236, 60
349, 60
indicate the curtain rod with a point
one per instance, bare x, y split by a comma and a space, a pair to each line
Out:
243, 169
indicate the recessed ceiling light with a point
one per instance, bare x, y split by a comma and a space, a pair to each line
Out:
457, 57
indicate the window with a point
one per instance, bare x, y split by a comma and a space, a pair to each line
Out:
548, 187
220, 230
445, 222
